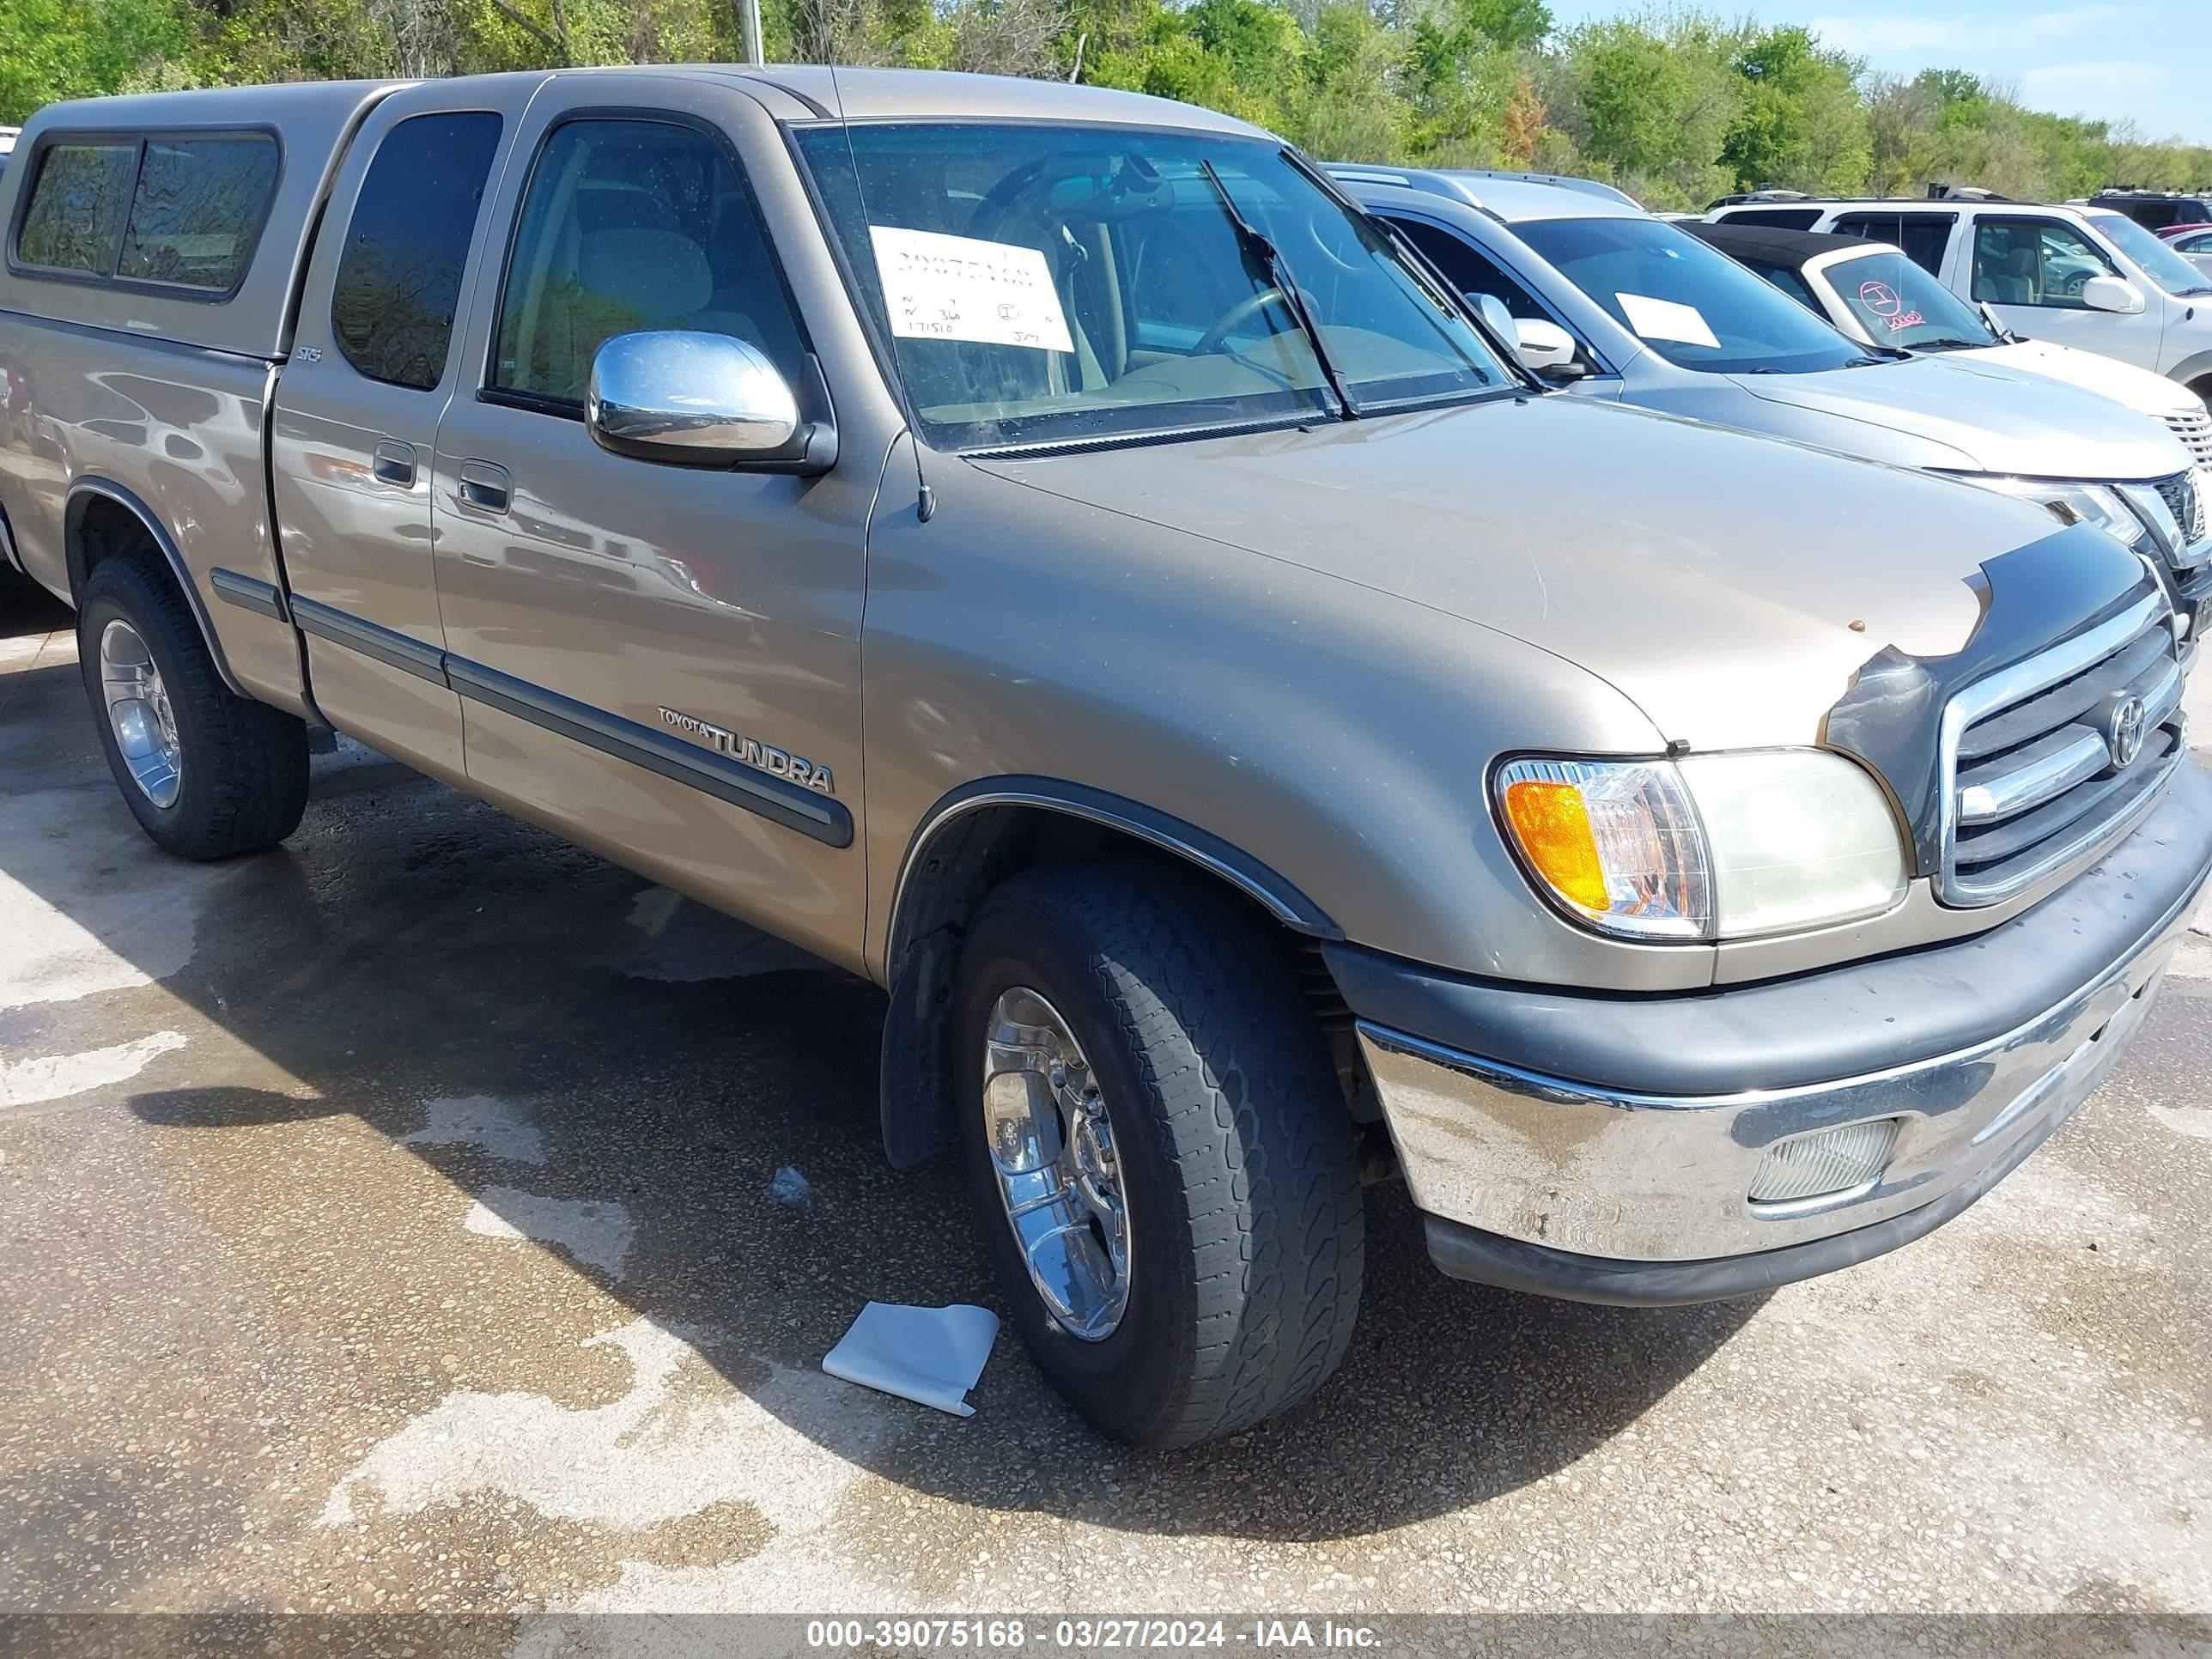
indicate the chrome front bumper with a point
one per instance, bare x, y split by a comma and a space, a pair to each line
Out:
1550, 1184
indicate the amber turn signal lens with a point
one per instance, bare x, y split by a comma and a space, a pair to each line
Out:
1553, 828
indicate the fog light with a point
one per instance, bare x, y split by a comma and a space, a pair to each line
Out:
1827, 1161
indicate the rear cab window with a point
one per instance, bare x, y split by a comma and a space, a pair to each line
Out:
180, 213
398, 282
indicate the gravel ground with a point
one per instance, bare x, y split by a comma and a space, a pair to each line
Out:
384, 1225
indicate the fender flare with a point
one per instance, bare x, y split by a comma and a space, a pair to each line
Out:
1279, 896
919, 957
81, 491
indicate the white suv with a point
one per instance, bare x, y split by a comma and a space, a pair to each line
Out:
2082, 277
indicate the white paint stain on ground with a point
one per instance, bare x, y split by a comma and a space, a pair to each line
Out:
655, 1453
2193, 1122
597, 1231
480, 1121
58, 1076
87, 904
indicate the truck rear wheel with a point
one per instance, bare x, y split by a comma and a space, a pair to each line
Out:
1158, 1151
209, 775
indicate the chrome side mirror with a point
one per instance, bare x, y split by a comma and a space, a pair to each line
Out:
698, 399
2114, 294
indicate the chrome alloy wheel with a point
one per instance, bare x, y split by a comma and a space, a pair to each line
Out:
1052, 1149
139, 715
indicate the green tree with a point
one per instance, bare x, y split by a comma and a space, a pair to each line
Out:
1653, 103
51, 49
1800, 123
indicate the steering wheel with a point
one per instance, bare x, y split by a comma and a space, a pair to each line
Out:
1237, 315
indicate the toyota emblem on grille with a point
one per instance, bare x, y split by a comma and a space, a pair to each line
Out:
2124, 730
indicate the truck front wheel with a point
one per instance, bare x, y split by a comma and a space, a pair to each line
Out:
1158, 1150
208, 774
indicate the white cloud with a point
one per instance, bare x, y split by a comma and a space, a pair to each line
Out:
2067, 87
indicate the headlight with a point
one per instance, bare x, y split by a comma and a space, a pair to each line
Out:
1727, 846
2101, 505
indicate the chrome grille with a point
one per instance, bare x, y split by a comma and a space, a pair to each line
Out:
2186, 502
2032, 768
2195, 431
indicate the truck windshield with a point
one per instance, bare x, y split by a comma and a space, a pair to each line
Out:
1899, 304
1046, 284
2158, 259
1695, 307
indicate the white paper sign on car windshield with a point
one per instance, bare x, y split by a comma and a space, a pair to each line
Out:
1666, 320
956, 288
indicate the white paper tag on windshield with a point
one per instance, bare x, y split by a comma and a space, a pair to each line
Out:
956, 288
1664, 320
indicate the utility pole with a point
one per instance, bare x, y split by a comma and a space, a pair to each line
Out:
750, 16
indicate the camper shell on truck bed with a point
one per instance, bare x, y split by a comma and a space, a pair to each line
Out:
1289, 742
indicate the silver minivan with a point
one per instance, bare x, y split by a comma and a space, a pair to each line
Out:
1606, 299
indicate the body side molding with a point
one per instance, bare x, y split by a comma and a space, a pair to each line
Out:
388, 646
823, 818
248, 593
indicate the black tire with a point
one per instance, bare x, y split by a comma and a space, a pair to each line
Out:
243, 781
1236, 1155
2203, 389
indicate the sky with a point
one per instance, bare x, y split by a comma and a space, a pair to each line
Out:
2145, 61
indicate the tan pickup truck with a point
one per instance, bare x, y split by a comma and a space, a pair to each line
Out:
1047, 551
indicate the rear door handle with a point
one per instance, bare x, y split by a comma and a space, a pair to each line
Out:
486, 485
395, 464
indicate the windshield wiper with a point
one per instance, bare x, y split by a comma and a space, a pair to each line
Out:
1256, 243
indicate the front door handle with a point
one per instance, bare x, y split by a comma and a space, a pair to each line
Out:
486, 485
394, 464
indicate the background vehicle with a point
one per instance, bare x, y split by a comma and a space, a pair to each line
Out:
1270, 754
2088, 277
2156, 209
1620, 305
1875, 295
8, 135
2193, 243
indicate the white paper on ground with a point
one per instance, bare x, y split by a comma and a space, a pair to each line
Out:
957, 288
1666, 320
929, 1355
